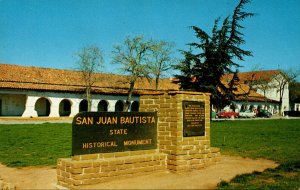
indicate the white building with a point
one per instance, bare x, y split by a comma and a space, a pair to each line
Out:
267, 88
34, 91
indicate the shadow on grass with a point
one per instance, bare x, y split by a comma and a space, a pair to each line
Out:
285, 176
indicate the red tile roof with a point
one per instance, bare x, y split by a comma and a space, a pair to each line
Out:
36, 78
243, 93
264, 75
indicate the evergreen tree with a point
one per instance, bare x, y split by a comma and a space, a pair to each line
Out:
213, 56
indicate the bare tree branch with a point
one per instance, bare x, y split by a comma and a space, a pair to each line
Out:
90, 61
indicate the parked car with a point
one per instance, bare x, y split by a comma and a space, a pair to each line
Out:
264, 113
247, 113
213, 115
231, 114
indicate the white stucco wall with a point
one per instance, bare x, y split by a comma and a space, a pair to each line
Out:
274, 94
33, 103
297, 107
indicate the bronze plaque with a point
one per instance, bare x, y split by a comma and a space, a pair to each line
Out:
193, 118
102, 132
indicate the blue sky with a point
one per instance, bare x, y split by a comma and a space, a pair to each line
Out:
48, 33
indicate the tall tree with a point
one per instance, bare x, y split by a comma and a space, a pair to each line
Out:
213, 56
133, 57
90, 61
255, 81
282, 81
262, 84
294, 94
162, 60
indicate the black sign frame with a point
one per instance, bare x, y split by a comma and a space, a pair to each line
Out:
105, 132
193, 118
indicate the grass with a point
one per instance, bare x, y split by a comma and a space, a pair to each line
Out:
277, 140
285, 176
34, 144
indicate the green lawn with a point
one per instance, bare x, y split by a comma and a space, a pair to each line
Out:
277, 140
40, 144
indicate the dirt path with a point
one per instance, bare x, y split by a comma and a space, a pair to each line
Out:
29, 177
207, 178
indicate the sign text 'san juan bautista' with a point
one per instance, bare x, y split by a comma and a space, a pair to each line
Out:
100, 132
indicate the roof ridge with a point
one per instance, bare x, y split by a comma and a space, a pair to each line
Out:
56, 69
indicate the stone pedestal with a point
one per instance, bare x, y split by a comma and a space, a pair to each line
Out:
176, 151
184, 153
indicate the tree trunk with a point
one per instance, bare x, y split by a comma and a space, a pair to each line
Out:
156, 82
88, 98
128, 100
281, 112
281, 109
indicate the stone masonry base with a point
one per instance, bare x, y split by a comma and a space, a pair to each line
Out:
97, 168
